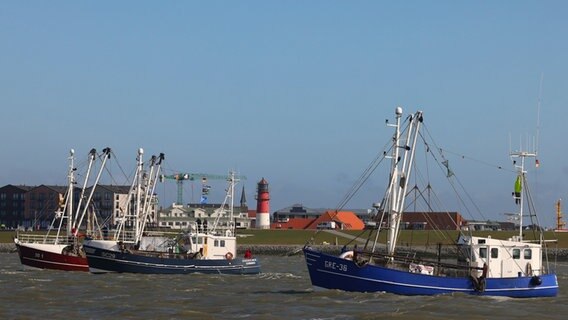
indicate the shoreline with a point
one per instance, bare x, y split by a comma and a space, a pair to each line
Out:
292, 250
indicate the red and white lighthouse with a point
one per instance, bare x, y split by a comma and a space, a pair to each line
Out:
263, 205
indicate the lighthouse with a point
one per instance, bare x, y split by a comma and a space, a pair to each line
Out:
263, 205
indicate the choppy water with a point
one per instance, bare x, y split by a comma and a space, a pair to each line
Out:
282, 291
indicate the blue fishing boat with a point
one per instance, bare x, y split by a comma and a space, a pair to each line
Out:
474, 265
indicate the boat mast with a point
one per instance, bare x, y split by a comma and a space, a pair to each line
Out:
521, 183
79, 220
232, 182
137, 202
156, 163
75, 215
69, 200
402, 160
128, 212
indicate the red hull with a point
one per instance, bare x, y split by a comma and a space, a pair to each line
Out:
48, 260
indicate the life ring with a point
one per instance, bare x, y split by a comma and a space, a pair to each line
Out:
229, 256
347, 255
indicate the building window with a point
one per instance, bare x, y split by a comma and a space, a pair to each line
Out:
516, 253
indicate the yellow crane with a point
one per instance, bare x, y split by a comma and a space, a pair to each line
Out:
560, 225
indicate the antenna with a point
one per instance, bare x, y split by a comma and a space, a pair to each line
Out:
538, 113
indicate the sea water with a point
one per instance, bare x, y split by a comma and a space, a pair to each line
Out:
281, 291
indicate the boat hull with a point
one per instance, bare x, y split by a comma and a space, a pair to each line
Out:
103, 260
332, 272
45, 256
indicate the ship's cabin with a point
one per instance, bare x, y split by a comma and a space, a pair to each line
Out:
503, 258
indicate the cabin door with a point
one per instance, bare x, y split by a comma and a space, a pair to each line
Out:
495, 262
492, 258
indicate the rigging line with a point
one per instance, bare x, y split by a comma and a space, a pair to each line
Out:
362, 179
429, 219
439, 150
429, 187
127, 177
532, 209
360, 182
428, 202
499, 167
371, 168
454, 186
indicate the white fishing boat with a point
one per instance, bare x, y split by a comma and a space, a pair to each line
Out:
195, 250
516, 267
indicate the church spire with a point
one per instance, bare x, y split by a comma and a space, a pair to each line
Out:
243, 198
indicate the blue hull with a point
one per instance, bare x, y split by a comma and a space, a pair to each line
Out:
101, 260
332, 272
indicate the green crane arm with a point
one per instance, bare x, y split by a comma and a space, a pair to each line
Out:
180, 177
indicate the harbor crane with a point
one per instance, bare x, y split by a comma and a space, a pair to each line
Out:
203, 177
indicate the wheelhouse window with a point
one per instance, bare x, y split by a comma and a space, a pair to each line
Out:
516, 253
494, 253
527, 254
483, 252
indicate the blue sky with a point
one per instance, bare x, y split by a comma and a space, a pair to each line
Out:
293, 91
